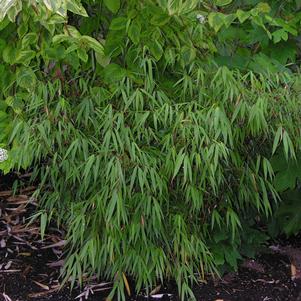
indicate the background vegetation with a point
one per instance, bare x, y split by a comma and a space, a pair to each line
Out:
164, 134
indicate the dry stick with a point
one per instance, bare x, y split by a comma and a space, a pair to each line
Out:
42, 294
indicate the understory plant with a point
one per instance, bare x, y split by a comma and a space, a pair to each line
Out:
143, 178
149, 145
287, 214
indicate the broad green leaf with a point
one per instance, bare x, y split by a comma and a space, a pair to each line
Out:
287, 179
102, 59
62, 6
72, 31
9, 54
53, 5
279, 35
118, 23
216, 20
82, 54
288, 214
25, 56
4, 23
188, 54
56, 6
29, 39
222, 2
92, 43
228, 19
7, 5
160, 19
59, 38
242, 15
112, 5
231, 256
113, 73
22, 30
76, 7
26, 78
263, 7
15, 103
134, 31
219, 255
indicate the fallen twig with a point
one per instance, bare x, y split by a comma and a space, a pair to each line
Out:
42, 294
6, 297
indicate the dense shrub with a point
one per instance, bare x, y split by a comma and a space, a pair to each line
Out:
287, 215
150, 126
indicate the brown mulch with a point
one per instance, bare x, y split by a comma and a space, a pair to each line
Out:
30, 266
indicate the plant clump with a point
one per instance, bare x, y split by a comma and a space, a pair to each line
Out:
150, 126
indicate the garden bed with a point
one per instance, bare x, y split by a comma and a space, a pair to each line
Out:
29, 267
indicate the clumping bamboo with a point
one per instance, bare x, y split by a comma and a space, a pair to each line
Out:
151, 128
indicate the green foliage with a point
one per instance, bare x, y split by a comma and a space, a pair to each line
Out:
227, 251
288, 173
149, 125
261, 36
287, 217
139, 176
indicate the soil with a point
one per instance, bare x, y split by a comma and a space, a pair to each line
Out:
30, 267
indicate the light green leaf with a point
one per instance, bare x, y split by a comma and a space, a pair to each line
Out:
7, 5
263, 7
228, 19
72, 31
102, 59
92, 43
222, 2
112, 5
82, 54
76, 7
61, 6
216, 21
29, 39
59, 38
22, 30
53, 5
242, 15
25, 56
279, 35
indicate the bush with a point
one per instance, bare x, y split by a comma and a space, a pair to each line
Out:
152, 152
143, 179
